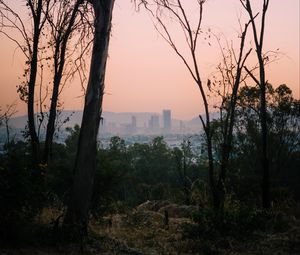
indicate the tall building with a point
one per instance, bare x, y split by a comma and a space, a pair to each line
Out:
154, 123
167, 120
181, 126
133, 124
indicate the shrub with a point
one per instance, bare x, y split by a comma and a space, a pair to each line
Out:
21, 193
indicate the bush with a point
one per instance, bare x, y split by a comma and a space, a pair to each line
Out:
238, 221
21, 193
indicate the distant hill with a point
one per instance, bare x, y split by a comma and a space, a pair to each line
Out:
118, 118
196, 121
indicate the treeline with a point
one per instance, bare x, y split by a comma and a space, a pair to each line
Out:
129, 175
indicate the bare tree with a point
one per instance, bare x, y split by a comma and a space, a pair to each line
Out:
262, 83
164, 10
231, 71
12, 21
56, 26
175, 11
77, 215
9, 112
63, 23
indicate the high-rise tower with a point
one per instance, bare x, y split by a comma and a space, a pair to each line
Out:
154, 123
167, 120
133, 124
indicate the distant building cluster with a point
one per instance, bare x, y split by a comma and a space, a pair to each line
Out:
138, 127
152, 126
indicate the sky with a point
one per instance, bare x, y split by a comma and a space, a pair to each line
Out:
145, 75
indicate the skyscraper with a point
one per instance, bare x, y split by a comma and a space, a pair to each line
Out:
133, 124
154, 123
167, 120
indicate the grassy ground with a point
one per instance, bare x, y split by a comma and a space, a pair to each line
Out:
144, 232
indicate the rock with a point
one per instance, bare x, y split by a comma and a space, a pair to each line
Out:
152, 205
179, 211
146, 218
174, 210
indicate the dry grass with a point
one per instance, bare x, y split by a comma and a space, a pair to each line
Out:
145, 231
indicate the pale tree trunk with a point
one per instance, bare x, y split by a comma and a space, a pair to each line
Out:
77, 216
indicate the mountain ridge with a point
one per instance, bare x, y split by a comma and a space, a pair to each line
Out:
119, 118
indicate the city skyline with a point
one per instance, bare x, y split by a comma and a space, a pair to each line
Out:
128, 122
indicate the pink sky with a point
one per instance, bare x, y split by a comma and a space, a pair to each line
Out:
144, 74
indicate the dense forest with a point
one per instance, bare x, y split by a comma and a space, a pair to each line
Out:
240, 195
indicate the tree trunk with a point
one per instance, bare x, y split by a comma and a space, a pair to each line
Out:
186, 188
266, 200
211, 173
60, 57
77, 216
35, 145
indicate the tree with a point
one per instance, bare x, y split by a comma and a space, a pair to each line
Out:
183, 159
284, 139
62, 20
11, 20
56, 24
259, 42
77, 215
283, 136
231, 72
7, 115
191, 30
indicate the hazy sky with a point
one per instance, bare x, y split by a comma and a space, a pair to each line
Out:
144, 74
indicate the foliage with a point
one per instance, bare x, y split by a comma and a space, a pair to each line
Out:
129, 175
283, 136
22, 193
239, 221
